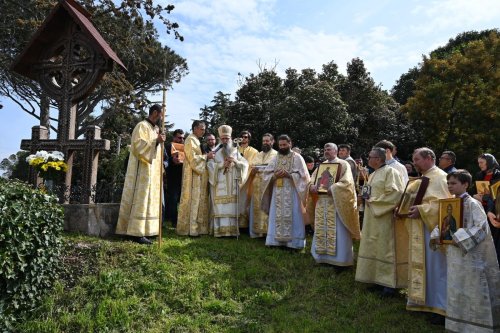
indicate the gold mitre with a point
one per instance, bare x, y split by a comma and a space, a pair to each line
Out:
225, 131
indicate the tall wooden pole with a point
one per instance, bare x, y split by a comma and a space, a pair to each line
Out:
162, 192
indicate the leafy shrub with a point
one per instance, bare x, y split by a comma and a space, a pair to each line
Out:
31, 225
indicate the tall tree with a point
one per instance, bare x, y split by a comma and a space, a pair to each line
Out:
405, 86
216, 114
15, 166
314, 115
256, 103
372, 110
457, 99
313, 108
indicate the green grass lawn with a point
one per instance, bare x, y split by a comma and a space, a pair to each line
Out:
210, 285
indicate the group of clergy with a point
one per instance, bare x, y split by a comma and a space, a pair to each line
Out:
272, 194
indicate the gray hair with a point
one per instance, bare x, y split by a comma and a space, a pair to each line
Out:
380, 152
332, 145
425, 152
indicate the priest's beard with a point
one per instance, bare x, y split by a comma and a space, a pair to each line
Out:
228, 148
284, 151
266, 148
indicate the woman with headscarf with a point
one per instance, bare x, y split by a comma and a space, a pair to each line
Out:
490, 171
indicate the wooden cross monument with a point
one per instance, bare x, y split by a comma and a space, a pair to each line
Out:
68, 57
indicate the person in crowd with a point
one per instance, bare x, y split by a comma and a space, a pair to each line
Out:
247, 151
253, 189
336, 219
473, 283
490, 171
389, 148
227, 172
410, 168
447, 161
311, 166
382, 256
193, 219
493, 213
139, 215
311, 199
344, 153
286, 182
210, 145
174, 159
426, 268
211, 142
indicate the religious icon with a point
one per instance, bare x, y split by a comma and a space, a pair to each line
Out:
450, 218
178, 148
412, 196
483, 187
495, 190
366, 191
328, 173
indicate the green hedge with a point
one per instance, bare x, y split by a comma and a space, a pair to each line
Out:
31, 225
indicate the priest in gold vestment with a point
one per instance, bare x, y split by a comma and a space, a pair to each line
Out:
247, 151
139, 215
336, 219
227, 172
426, 268
286, 181
383, 251
252, 189
193, 217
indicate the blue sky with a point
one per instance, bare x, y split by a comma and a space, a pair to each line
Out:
227, 37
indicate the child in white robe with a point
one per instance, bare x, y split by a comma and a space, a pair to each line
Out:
473, 285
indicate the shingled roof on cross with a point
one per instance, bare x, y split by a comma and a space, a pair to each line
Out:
49, 32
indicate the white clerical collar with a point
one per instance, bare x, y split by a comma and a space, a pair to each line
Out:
426, 172
392, 160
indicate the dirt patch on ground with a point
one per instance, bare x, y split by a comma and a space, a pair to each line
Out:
79, 259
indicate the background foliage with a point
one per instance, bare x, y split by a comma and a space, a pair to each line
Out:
313, 108
449, 101
30, 246
453, 96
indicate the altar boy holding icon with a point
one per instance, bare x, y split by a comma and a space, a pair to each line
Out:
473, 283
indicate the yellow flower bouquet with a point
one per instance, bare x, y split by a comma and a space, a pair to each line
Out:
50, 166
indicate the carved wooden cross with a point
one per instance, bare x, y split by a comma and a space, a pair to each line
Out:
68, 57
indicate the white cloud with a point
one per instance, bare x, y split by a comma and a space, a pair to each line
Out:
380, 34
227, 14
455, 14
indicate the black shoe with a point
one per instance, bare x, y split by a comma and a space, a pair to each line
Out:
340, 269
437, 319
388, 292
375, 288
309, 230
143, 240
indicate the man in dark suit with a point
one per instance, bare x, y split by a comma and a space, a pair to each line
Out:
173, 177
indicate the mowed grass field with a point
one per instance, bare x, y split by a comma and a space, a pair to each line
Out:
205, 284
